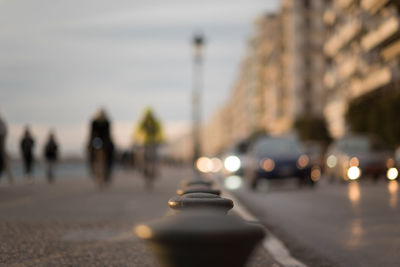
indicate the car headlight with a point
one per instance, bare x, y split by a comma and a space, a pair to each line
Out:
392, 173
331, 161
216, 165
315, 173
353, 173
232, 163
204, 164
267, 164
390, 163
354, 161
303, 161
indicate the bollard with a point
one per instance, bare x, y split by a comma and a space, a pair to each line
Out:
198, 182
201, 238
198, 189
200, 201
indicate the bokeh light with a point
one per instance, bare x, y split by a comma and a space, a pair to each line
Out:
353, 173
216, 165
315, 174
354, 161
268, 165
392, 173
204, 164
303, 161
232, 163
331, 161
233, 182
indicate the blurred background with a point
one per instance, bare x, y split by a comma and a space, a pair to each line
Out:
62, 61
319, 69
243, 92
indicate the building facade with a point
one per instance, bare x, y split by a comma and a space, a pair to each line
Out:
303, 61
310, 58
362, 52
280, 79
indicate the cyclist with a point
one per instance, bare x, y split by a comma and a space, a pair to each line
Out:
149, 134
101, 146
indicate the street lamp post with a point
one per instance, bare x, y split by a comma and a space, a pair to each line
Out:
198, 44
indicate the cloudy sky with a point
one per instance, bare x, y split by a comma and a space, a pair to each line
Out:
60, 60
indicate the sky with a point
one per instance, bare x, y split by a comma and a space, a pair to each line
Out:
61, 60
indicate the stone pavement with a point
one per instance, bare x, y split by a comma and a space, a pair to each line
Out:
73, 223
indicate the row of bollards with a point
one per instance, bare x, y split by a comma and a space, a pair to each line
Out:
199, 232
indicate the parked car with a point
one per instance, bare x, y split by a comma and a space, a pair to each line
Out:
277, 158
397, 157
356, 156
314, 150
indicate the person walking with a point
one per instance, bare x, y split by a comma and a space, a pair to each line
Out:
27, 144
4, 161
101, 147
51, 156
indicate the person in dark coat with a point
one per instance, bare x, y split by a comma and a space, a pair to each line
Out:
26, 146
3, 134
4, 160
100, 138
51, 156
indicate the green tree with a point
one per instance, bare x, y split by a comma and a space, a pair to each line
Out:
376, 115
312, 128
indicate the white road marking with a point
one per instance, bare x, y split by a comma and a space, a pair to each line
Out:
271, 243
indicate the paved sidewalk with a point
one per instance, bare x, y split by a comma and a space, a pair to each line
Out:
72, 223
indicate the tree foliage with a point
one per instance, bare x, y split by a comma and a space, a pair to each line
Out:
312, 128
378, 115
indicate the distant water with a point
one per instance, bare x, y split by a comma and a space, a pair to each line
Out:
63, 170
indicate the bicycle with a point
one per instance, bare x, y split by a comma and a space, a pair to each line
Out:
150, 166
99, 163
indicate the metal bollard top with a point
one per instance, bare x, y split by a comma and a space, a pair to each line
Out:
198, 182
201, 238
200, 201
198, 189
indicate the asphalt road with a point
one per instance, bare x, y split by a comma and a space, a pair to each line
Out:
342, 224
73, 223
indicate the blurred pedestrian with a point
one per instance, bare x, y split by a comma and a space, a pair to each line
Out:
27, 145
4, 161
101, 146
51, 156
